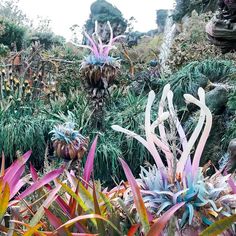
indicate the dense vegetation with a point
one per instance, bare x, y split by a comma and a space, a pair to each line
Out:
64, 163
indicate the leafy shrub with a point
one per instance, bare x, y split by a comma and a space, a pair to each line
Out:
47, 39
231, 124
199, 74
12, 34
146, 50
24, 130
185, 7
192, 45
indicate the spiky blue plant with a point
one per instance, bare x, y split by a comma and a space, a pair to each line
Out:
210, 196
100, 61
68, 142
66, 133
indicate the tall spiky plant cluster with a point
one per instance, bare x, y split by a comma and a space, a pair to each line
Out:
205, 199
99, 69
24, 75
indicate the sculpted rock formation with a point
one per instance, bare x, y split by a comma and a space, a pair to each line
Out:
221, 30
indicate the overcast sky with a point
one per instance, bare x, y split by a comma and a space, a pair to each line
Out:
65, 13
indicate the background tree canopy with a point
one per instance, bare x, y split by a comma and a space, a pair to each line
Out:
185, 7
161, 16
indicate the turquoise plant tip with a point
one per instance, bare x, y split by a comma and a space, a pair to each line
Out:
66, 133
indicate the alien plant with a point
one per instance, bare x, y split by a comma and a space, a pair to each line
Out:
68, 143
99, 69
206, 199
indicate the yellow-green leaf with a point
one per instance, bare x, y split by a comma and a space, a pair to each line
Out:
78, 199
4, 200
33, 230
219, 226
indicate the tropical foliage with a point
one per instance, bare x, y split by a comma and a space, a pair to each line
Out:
182, 180
57, 96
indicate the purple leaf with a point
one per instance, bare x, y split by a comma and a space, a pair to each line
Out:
33, 173
232, 185
41, 182
14, 186
89, 162
10, 171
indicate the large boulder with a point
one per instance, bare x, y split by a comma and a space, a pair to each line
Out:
216, 99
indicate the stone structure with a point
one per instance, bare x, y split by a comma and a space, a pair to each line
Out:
221, 30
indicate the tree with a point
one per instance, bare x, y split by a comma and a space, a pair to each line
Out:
185, 7
161, 16
10, 10
12, 34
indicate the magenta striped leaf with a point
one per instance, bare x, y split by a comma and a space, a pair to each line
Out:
232, 184
89, 162
41, 182
33, 172
10, 171
138, 201
56, 223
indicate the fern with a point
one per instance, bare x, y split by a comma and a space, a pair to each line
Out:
199, 74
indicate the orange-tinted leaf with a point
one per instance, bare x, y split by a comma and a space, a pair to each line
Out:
89, 216
133, 230
2, 165
101, 227
33, 230
160, 224
4, 200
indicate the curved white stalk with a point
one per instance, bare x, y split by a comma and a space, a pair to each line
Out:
82, 46
161, 126
167, 151
154, 153
111, 33
148, 130
183, 159
174, 116
204, 136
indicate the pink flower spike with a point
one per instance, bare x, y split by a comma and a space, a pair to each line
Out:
100, 44
94, 46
